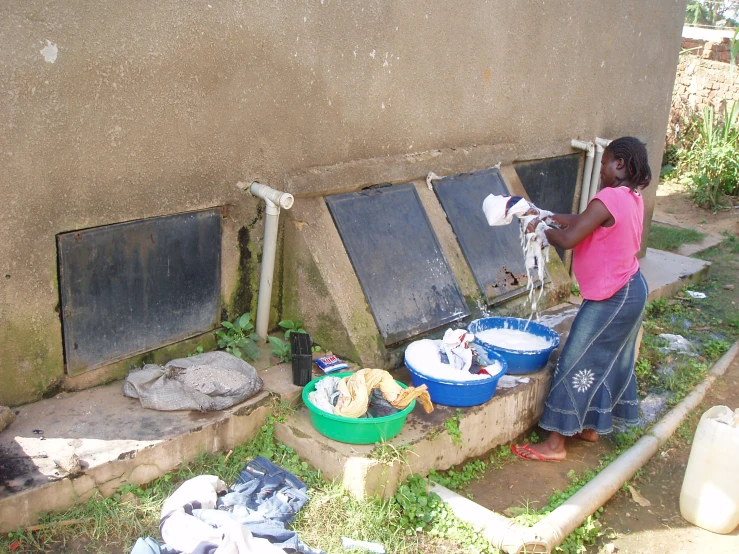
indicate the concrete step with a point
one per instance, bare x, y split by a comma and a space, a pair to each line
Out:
666, 273
116, 442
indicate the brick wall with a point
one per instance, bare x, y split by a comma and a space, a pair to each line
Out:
704, 78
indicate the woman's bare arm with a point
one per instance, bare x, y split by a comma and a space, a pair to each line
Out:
579, 226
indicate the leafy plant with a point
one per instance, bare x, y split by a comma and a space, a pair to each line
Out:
291, 326
711, 162
238, 338
280, 349
452, 428
461, 477
419, 506
715, 348
198, 350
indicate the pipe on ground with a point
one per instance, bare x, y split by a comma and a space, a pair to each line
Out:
549, 532
587, 173
274, 200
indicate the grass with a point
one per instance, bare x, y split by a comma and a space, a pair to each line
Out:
112, 525
671, 238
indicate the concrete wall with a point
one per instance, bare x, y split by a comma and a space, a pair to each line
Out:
113, 111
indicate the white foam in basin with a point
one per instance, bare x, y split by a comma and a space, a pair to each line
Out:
513, 339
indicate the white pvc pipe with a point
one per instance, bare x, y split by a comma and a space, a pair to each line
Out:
549, 532
595, 178
274, 200
587, 173
600, 146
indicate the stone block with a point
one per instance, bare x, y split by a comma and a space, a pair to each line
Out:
7, 416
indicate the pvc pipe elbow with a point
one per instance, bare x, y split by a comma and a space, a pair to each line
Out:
282, 199
588, 146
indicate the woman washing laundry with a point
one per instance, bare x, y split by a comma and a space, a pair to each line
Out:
594, 384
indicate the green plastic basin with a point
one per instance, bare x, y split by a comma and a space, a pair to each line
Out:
354, 430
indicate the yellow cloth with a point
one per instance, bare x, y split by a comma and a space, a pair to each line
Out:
354, 392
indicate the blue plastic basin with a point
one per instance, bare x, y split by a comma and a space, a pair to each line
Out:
519, 361
459, 393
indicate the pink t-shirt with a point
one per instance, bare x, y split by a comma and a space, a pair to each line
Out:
606, 259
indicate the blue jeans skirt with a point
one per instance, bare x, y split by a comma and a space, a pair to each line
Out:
594, 383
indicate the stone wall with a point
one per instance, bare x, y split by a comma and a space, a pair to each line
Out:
704, 78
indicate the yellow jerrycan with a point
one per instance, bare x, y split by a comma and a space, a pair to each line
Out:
709, 497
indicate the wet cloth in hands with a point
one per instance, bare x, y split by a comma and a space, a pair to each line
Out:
500, 209
355, 391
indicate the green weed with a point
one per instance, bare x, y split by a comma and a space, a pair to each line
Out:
238, 337
280, 349
452, 428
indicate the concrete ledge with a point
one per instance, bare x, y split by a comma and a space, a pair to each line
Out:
115, 442
666, 273
508, 414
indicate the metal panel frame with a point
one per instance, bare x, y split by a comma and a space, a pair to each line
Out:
448, 296
129, 288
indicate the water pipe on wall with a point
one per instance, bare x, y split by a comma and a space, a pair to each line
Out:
600, 146
589, 149
274, 200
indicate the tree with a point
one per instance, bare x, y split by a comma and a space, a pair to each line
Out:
712, 13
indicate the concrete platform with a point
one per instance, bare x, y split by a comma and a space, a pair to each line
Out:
666, 273
118, 442
115, 441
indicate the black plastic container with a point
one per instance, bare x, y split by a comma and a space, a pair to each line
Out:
300, 348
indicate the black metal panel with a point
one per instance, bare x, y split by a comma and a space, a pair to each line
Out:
551, 183
493, 253
398, 260
131, 287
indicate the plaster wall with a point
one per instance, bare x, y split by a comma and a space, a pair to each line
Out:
114, 111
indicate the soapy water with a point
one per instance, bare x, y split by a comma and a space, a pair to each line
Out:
513, 339
423, 357
552, 320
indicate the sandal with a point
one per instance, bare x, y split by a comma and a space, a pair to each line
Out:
525, 452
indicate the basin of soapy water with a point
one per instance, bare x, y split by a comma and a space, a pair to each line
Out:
449, 386
525, 345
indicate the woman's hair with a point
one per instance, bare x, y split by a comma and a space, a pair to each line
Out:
634, 154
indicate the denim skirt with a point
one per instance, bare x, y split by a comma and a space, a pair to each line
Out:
594, 383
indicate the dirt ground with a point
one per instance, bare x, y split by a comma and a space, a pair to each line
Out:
660, 528
673, 207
